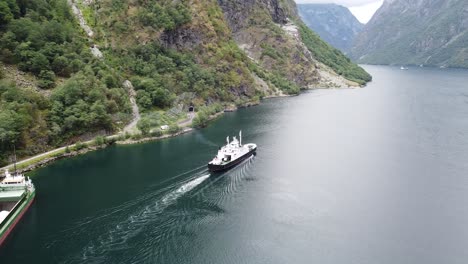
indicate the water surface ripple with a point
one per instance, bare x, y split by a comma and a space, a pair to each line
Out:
373, 175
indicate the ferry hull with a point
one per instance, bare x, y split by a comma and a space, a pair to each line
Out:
11, 223
225, 167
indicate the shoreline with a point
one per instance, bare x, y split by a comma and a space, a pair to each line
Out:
51, 156
61, 153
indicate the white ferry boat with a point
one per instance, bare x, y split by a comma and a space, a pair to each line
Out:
231, 154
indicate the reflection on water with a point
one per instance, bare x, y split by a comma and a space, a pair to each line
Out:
373, 175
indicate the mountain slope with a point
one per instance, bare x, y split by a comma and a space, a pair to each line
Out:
273, 35
429, 32
333, 23
63, 83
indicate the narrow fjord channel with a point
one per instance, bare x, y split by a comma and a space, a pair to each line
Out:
373, 175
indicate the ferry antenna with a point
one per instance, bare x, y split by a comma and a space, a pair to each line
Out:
240, 137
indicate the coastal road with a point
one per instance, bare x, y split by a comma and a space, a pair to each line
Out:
41, 155
188, 121
130, 128
45, 154
33, 158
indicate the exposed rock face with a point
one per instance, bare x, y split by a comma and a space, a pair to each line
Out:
429, 32
135, 110
265, 30
230, 52
334, 23
219, 34
238, 12
183, 38
96, 52
79, 15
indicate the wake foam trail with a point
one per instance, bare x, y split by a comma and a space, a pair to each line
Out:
220, 177
184, 188
77, 226
117, 237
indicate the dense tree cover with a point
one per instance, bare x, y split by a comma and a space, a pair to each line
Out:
159, 68
23, 117
85, 103
204, 114
144, 126
332, 57
217, 70
162, 73
164, 15
33, 122
41, 37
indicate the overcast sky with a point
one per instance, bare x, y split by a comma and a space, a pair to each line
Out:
362, 9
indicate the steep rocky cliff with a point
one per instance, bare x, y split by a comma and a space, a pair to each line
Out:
429, 32
253, 45
258, 27
271, 34
334, 23
93, 66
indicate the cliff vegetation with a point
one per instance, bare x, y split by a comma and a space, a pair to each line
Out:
71, 69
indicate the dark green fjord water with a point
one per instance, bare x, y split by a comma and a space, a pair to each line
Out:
374, 175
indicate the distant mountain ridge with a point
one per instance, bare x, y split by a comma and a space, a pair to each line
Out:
428, 32
334, 23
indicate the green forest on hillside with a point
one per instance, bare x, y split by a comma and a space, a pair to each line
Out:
165, 48
160, 72
41, 37
333, 57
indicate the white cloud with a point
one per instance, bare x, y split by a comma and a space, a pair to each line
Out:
363, 10
347, 3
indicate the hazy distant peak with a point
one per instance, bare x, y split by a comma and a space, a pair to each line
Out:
334, 23
416, 32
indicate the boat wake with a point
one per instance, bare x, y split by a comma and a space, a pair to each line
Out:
129, 226
158, 218
237, 175
184, 188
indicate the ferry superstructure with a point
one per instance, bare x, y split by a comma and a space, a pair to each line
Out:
233, 153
